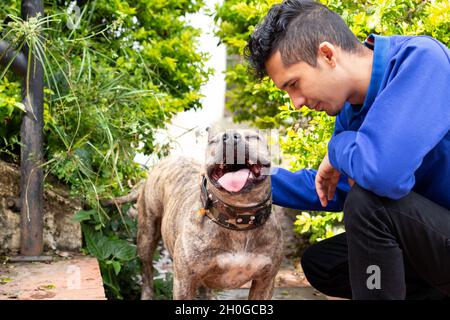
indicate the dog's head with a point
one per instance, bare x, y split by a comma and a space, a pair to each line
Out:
238, 166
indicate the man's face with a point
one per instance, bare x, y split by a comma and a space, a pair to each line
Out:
319, 88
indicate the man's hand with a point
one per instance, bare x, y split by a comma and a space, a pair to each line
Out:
326, 181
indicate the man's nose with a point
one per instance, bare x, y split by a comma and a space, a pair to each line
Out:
298, 101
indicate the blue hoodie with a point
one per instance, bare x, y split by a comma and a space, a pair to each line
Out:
399, 139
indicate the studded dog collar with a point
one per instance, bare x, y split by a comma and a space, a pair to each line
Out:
232, 217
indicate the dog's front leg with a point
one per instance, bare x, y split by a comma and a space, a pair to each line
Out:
262, 288
184, 287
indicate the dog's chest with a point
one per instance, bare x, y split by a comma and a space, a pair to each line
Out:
237, 268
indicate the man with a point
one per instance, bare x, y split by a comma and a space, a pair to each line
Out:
388, 161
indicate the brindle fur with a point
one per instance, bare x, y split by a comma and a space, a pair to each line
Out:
168, 206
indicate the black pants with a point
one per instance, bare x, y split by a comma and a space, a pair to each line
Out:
392, 249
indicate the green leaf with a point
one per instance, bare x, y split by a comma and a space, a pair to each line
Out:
117, 266
96, 243
123, 250
5, 280
83, 215
20, 105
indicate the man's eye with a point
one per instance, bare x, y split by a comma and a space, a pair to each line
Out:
293, 84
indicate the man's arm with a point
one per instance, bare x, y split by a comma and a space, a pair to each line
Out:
407, 119
297, 190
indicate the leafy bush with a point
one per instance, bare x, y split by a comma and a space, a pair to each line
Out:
319, 226
114, 74
305, 134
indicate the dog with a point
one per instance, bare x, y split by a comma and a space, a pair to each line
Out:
220, 234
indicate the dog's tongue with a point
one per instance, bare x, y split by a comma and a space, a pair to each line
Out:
234, 181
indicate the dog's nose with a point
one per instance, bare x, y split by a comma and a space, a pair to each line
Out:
235, 137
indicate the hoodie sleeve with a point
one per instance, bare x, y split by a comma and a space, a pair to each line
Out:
297, 190
408, 118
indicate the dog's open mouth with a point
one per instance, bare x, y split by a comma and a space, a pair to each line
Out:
235, 177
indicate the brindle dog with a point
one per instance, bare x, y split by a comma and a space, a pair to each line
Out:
220, 234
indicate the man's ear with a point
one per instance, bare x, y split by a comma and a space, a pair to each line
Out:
327, 52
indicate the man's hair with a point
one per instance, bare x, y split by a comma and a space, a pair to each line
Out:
296, 28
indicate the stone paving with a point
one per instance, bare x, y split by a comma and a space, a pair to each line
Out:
290, 284
72, 277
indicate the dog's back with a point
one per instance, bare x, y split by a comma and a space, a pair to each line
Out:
171, 178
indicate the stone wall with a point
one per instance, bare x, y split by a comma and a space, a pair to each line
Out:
60, 232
